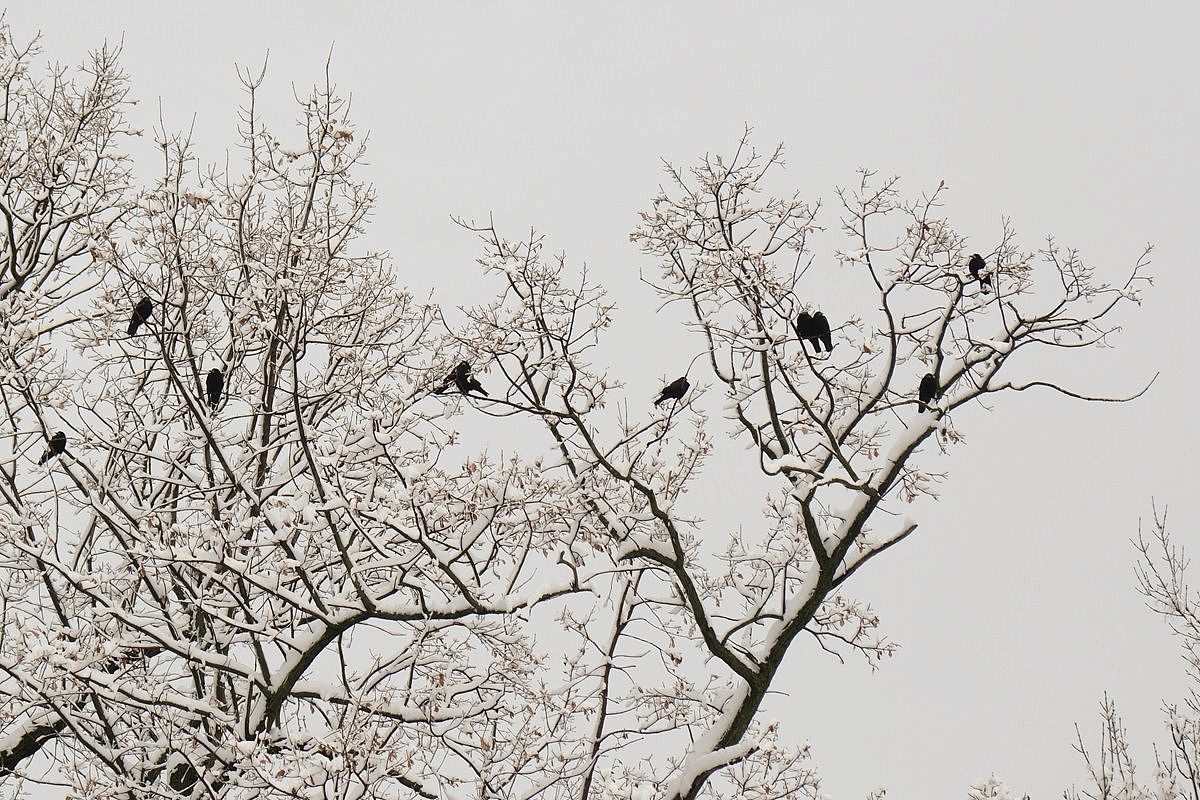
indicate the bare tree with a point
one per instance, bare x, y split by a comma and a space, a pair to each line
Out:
311, 587
1112, 770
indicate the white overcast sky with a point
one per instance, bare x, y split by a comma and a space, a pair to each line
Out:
1015, 603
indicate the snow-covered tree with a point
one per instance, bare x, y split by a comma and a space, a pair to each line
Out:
1175, 774
314, 588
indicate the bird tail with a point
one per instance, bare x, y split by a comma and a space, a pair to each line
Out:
133, 328
659, 401
45, 457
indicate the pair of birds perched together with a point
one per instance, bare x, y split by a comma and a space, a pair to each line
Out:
214, 383
814, 329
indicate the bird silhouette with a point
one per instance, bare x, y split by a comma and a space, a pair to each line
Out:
808, 331
58, 446
463, 380
821, 328
141, 313
927, 391
445, 385
214, 383
976, 265
675, 390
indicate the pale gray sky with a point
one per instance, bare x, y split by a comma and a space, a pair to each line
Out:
1015, 603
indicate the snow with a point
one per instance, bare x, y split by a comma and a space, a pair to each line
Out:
703, 756
998, 345
790, 461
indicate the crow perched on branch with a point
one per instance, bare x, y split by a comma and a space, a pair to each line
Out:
976, 265
463, 381
445, 385
468, 383
806, 331
821, 326
928, 390
675, 390
58, 446
141, 313
214, 384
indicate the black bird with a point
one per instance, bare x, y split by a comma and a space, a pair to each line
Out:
675, 390
214, 384
927, 391
58, 446
807, 331
141, 313
976, 265
464, 380
821, 328
445, 385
